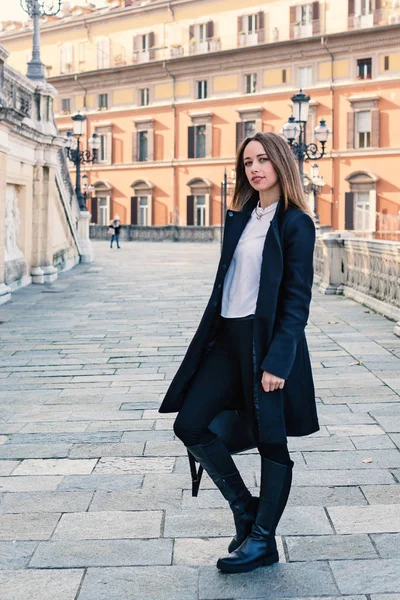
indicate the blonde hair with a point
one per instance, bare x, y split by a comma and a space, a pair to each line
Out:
282, 158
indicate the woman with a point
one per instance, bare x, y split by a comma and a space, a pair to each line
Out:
250, 351
115, 228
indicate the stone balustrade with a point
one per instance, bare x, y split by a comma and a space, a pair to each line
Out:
366, 270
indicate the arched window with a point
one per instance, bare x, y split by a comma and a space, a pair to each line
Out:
360, 201
142, 203
198, 202
101, 203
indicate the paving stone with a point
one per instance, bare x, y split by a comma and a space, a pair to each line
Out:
372, 442
355, 430
8, 466
66, 438
21, 451
138, 424
102, 553
382, 494
390, 423
367, 576
62, 466
16, 555
136, 500
291, 580
153, 435
29, 483
353, 460
64, 427
134, 465
44, 502
329, 547
40, 585
111, 449
320, 443
151, 583
30, 526
387, 544
380, 518
99, 482
109, 525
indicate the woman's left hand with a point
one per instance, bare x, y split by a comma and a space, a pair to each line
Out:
270, 382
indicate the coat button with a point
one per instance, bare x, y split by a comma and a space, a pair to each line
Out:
219, 286
224, 266
230, 213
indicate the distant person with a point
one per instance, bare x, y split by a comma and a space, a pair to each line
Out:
114, 229
246, 380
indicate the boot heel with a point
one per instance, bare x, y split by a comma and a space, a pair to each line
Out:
271, 559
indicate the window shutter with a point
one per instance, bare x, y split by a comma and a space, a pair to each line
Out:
150, 144
189, 210
136, 47
134, 210
210, 29
208, 210
209, 134
261, 27
372, 210
261, 20
191, 134
191, 32
315, 16
150, 212
375, 119
239, 133
239, 28
134, 146
351, 7
350, 130
292, 15
109, 147
349, 210
94, 210
152, 42
111, 208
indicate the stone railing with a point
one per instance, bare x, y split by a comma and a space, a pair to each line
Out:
17, 92
172, 233
365, 269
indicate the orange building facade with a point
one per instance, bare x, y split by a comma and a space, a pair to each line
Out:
172, 87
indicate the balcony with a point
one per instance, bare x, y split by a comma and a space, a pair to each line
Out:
17, 92
144, 56
378, 17
202, 47
251, 39
304, 30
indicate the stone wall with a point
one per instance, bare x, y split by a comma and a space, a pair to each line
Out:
39, 212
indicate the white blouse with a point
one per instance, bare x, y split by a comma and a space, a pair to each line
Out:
242, 280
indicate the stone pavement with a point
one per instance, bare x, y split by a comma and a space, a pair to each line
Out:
95, 500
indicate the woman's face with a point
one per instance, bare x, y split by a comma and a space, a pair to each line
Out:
259, 169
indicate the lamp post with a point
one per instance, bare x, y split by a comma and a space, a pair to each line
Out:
225, 183
314, 183
295, 132
78, 156
36, 9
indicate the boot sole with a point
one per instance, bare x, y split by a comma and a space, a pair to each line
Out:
264, 561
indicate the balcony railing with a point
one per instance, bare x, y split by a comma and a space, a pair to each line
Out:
251, 39
379, 16
304, 30
198, 47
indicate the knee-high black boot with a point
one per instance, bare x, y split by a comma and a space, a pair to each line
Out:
217, 461
260, 547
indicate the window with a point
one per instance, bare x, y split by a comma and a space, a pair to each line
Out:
363, 7
251, 83
304, 77
364, 68
143, 210
249, 128
143, 146
200, 210
103, 101
363, 129
102, 155
144, 97
284, 76
362, 211
252, 23
304, 14
103, 211
200, 141
66, 58
82, 53
386, 63
105, 149
200, 36
103, 54
143, 47
202, 89
66, 106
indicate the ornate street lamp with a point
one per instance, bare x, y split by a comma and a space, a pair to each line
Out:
78, 156
295, 132
36, 9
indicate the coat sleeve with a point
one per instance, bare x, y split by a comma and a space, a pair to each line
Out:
295, 296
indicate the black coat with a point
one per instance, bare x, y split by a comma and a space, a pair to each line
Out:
279, 343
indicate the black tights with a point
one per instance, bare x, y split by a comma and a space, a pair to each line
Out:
223, 380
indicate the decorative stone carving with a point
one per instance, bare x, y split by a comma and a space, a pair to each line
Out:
12, 225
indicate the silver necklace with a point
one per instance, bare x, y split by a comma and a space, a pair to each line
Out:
261, 214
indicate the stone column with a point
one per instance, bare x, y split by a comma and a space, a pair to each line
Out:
332, 263
85, 244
